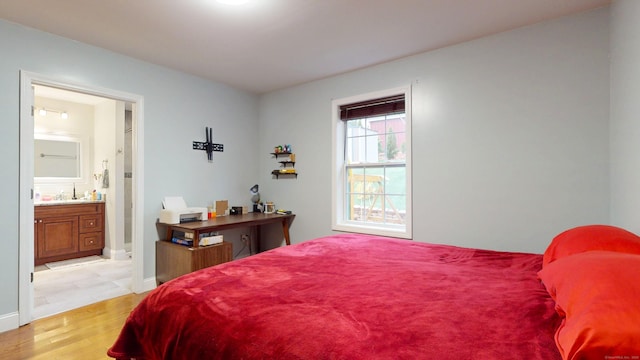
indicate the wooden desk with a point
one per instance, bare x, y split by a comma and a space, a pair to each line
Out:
232, 221
173, 260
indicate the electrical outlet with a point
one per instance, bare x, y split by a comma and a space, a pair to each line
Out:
244, 238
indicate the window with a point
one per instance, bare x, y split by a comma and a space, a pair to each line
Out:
372, 163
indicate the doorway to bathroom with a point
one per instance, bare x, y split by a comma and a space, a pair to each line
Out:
108, 127
102, 130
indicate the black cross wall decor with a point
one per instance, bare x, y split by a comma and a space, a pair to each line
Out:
208, 146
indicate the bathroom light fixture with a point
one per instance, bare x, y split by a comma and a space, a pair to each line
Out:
44, 112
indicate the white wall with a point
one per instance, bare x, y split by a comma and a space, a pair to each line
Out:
510, 136
177, 107
625, 114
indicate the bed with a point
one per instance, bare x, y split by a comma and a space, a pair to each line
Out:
352, 296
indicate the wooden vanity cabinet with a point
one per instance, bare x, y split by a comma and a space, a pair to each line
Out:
68, 231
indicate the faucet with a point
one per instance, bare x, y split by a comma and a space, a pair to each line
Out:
60, 196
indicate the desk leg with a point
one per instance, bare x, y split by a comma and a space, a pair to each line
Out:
254, 234
285, 230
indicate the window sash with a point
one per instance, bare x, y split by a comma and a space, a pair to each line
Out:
369, 199
378, 139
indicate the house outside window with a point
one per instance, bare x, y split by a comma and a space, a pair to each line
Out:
372, 163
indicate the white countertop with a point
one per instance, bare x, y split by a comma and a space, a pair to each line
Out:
65, 202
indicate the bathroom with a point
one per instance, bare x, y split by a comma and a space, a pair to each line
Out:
82, 155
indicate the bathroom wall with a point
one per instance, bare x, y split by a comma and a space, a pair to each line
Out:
79, 124
108, 157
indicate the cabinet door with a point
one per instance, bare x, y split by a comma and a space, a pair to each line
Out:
57, 236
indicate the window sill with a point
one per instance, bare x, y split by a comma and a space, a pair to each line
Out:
373, 230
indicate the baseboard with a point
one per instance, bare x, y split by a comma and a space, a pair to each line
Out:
9, 321
119, 254
149, 284
113, 254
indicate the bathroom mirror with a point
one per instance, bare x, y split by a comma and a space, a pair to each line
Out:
57, 158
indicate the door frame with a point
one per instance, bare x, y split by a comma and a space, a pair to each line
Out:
26, 174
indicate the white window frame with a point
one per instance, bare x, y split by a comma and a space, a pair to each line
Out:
338, 191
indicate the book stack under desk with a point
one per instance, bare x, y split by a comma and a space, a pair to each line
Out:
186, 238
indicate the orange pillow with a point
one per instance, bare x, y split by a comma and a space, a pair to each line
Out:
598, 294
591, 237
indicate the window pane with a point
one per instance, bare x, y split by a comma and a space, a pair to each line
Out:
396, 138
396, 123
355, 194
378, 139
395, 210
377, 125
395, 180
360, 147
382, 146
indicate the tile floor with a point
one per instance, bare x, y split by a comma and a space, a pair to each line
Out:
60, 290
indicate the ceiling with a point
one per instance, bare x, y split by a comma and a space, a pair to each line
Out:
267, 45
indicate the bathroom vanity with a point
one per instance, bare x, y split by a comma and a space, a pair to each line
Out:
68, 229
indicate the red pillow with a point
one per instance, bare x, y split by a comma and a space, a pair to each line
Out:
591, 237
598, 293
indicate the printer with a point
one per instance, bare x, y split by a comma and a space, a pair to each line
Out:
175, 211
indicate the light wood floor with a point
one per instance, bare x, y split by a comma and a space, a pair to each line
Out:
84, 333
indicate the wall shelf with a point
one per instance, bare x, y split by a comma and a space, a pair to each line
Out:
280, 154
277, 174
286, 166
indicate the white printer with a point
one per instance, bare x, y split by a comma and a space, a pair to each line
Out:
176, 211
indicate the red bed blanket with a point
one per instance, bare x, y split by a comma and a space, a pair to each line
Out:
350, 297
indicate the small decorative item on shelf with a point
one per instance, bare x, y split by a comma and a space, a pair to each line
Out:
282, 149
